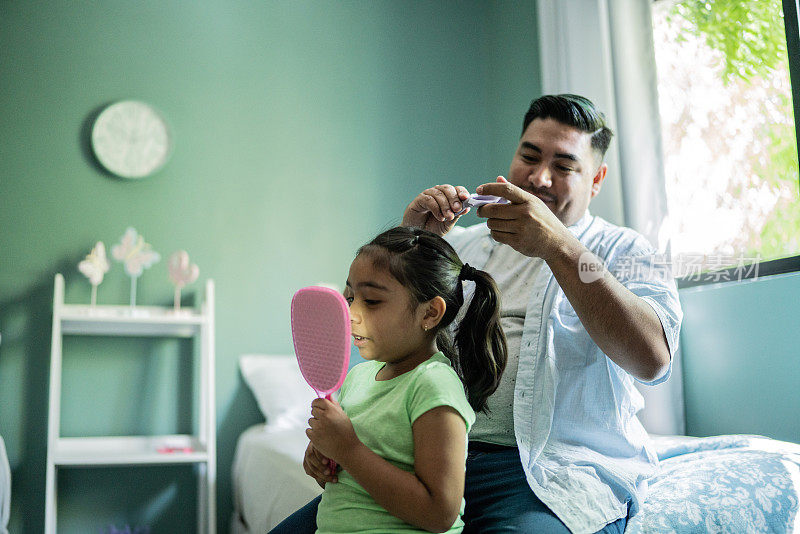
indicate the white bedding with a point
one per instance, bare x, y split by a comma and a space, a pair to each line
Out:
268, 478
730, 483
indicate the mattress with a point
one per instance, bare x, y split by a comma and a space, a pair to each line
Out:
268, 478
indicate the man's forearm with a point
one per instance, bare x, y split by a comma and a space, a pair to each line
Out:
624, 326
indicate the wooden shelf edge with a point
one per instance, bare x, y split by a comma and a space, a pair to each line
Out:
129, 451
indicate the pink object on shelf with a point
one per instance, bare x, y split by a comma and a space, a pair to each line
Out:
321, 336
169, 450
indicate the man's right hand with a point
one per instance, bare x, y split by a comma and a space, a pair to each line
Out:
316, 466
435, 208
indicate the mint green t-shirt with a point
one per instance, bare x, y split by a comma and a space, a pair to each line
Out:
382, 413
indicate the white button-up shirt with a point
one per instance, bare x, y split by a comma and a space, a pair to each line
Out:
585, 453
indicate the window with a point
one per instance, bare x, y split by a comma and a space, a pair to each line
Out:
729, 134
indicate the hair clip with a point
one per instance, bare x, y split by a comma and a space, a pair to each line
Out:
475, 201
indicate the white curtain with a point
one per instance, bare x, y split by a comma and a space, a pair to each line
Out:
603, 49
5, 489
575, 58
638, 122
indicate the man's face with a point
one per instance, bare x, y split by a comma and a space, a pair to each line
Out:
556, 163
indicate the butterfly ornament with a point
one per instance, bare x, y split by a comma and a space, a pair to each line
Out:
94, 267
181, 273
136, 255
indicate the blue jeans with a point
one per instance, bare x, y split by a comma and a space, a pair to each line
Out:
498, 500
303, 521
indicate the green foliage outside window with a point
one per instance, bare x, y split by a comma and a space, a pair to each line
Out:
749, 40
749, 35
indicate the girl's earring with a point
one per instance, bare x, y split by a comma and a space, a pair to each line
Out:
425, 327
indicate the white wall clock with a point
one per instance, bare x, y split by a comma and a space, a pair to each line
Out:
131, 139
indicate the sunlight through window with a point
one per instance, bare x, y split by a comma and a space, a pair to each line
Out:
730, 153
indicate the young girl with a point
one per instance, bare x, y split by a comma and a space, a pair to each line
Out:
399, 430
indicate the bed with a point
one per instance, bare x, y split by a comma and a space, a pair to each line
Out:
268, 478
732, 483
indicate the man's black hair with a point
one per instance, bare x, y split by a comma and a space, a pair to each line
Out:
572, 110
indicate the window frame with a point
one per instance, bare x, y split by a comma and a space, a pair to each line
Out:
732, 275
791, 22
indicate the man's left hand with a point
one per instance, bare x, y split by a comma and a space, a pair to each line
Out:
526, 224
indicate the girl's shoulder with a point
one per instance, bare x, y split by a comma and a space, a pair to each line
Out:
435, 384
437, 366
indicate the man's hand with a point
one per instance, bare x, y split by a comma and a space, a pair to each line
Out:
330, 430
527, 224
625, 327
435, 208
318, 467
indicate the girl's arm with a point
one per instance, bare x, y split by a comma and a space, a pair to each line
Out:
431, 497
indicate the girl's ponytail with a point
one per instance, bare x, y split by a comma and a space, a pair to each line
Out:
479, 340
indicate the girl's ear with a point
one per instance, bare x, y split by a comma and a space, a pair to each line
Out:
433, 312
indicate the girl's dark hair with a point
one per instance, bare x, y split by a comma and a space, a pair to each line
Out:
428, 266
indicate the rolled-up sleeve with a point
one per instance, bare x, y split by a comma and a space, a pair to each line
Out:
648, 275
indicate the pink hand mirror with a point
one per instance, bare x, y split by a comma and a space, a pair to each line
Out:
321, 336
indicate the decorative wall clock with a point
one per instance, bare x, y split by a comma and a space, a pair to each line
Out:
131, 139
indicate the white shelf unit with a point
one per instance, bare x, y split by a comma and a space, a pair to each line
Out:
106, 451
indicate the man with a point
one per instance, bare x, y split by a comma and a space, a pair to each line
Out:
560, 448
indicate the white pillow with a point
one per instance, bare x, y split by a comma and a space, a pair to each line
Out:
280, 390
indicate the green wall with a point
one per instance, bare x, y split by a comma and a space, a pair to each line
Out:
739, 345
301, 129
